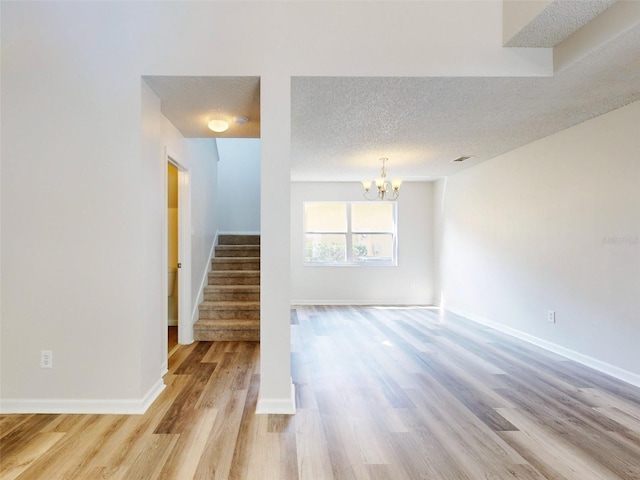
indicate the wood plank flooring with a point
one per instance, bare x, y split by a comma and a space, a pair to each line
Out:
172, 339
382, 393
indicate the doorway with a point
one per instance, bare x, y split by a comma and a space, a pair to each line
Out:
173, 298
178, 328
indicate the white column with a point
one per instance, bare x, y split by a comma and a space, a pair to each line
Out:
276, 388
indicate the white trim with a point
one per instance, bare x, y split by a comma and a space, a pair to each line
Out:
164, 321
360, 303
101, 407
185, 326
599, 365
278, 406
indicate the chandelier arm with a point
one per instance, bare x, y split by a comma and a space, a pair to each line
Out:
374, 197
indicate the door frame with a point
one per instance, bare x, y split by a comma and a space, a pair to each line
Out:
185, 326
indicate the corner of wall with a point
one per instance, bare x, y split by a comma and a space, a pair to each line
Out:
439, 193
278, 406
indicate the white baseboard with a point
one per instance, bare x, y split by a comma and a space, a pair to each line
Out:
278, 406
599, 365
109, 407
359, 303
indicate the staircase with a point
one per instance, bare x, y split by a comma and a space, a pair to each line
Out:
231, 307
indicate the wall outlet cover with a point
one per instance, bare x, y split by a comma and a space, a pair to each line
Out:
46, 359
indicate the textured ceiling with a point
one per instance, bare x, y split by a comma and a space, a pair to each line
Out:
559, 20
341, 126
191, 102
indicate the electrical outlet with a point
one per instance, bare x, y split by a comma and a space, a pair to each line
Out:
551, 316
46, 359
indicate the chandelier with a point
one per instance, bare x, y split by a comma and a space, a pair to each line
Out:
385, 190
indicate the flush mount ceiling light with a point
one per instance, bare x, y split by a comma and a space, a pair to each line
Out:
385, 190
218, 126
241, 120
463, 158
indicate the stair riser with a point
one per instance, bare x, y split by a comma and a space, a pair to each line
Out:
222, 252
239, 240
233, 280
231, 296
223, 264
229, 314
227, 335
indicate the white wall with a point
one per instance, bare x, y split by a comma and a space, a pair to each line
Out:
410, 282
202, 158
239, 184
80, 189
554, 225
152, 264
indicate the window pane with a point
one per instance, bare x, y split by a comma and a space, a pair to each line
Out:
372, 217
373, 248
325, 217
325, 248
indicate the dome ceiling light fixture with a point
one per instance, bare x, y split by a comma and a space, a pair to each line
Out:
385, 190
218, 126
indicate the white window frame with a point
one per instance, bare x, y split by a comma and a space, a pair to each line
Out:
350, 260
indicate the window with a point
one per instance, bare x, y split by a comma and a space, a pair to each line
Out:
359, 233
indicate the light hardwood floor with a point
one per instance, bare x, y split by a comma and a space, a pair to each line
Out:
382, 393
172, 339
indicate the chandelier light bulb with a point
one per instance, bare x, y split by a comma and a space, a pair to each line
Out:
395, 183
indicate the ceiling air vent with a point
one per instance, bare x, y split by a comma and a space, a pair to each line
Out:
462, 159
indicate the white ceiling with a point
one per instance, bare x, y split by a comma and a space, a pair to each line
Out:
191, 102
341, 126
